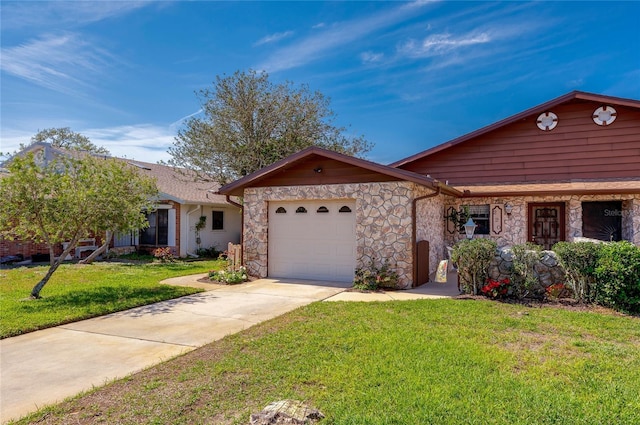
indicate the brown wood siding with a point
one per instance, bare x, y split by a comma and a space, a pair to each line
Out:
333, 172
576, 149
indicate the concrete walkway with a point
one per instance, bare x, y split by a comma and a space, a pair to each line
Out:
45, 367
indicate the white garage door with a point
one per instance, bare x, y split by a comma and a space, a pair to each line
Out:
312, 240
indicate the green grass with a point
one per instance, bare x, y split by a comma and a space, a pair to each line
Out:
411, 362
81, 291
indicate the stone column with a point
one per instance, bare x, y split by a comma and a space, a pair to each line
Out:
575, 218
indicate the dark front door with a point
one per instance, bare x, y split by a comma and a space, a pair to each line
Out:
546, 224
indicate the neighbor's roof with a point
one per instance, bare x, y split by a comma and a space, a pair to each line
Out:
180, 186
541, 189
236, 187
574, 95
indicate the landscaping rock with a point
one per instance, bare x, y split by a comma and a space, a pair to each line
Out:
289, 412
548, 270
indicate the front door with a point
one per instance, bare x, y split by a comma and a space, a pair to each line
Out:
546, 224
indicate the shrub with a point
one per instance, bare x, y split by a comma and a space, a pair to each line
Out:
525, 279
210, 252
579, 260
618, 276
374, 278
164, 255
230, 277
473, 258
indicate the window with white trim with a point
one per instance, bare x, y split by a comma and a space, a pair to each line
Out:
217, 220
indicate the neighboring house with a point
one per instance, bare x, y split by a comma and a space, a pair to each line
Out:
565, 169
180, 205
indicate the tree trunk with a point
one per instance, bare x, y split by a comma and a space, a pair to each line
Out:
54, 264
103, 248
35, 292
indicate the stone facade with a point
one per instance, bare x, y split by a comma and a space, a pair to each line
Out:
548, 270
430, 226
514, 225
384, 222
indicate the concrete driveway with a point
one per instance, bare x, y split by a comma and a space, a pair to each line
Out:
45, 367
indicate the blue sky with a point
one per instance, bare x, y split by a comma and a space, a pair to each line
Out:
407, 76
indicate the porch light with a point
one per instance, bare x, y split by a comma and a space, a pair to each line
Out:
508, 208
469, 228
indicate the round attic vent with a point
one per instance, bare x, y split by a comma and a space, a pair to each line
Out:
604, 115
547, 121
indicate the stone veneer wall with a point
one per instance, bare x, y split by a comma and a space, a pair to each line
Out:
430, 225
548, 270
383, 221
515, 224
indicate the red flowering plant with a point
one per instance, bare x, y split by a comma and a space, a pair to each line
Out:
555, 291
497, 288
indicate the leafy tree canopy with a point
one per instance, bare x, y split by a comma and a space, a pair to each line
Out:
64, 138
249, 122
68, 199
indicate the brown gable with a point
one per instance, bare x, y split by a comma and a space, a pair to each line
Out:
315, 165
515, 150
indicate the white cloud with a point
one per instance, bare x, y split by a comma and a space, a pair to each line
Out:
273, 38
143, 142
371, 57
177, 123
63, 14
439, 44
59, 62
319, 25
330, 40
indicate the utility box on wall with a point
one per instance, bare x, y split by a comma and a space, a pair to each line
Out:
422, 258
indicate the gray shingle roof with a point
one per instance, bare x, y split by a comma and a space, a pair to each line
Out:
180, 186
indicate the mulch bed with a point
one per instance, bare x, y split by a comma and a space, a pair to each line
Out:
563, 303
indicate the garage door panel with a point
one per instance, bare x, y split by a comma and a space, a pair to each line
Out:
312, 245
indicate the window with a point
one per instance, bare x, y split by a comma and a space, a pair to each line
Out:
281, 210
157, 234
322, 210
301, 210
480, 216
217, 220
345, 209
602, 220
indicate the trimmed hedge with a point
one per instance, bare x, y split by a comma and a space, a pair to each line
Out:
607, 274
473, 258
618, 276
580, 260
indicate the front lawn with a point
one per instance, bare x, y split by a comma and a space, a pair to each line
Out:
78, 292
406, 362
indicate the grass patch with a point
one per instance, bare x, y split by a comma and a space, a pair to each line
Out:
409, 362
78, 291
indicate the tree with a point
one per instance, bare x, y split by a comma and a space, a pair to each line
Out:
64, 138
250, 122
69, 199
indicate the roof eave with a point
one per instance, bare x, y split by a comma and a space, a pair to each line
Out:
495, 194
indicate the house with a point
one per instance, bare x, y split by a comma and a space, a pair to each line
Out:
181, 204
565, 169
